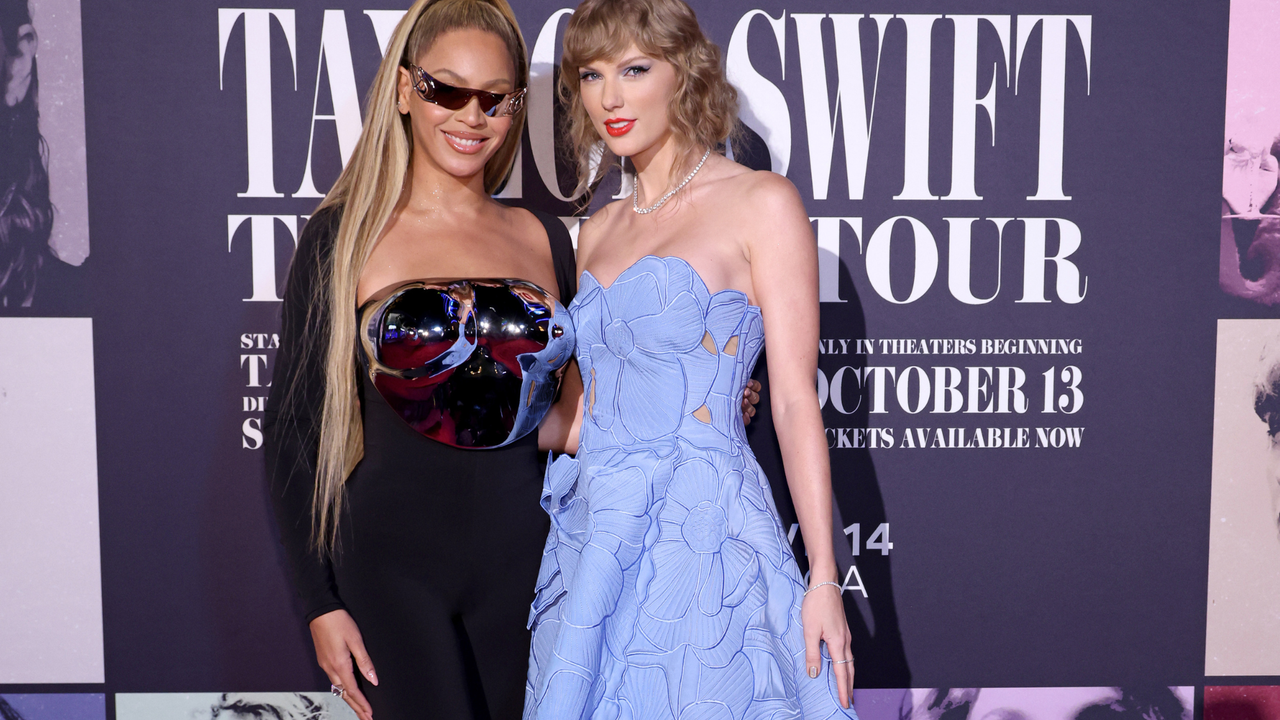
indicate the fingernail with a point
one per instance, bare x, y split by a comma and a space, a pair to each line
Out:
373, 678
813, 671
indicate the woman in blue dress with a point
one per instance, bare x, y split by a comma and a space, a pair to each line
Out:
668, 589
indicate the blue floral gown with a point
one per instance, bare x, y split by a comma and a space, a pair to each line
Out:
668, 590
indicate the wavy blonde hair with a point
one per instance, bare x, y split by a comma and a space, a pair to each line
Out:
704, 107
367, 192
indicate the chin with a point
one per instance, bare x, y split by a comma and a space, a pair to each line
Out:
461, 166
627, 145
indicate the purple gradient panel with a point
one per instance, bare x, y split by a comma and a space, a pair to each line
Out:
45, 706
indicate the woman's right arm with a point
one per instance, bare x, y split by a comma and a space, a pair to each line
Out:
559, 429
291, 428
291, 424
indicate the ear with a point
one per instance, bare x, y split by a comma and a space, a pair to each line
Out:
404, 91
19, 66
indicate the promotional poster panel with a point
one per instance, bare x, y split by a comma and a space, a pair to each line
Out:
1241, 702
1014, 273
1243, 632
1064, 703
51, 592
241, 706
1250, 260
44, 216
53, 706
57, 24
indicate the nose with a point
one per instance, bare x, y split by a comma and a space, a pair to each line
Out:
611, 94
471, 115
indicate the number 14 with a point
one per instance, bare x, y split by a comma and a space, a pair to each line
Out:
879, 539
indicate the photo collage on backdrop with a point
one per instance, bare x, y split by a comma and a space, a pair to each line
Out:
1243, 627
50, 591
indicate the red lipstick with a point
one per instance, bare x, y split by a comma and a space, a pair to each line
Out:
617, 127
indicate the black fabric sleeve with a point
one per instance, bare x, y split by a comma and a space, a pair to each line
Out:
562, 256
291, 423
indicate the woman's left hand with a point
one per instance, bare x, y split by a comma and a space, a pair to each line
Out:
822, 616
750, 399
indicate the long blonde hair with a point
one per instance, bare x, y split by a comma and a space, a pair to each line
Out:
704, 107
366, 193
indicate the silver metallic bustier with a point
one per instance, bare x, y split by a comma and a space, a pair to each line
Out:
469, 363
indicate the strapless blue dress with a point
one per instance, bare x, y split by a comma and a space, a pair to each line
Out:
668, 589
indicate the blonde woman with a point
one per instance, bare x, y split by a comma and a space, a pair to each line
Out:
406, 550
668, 588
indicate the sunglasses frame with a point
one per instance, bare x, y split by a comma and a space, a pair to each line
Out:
429, 89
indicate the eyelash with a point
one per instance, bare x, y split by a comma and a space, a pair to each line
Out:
588, 76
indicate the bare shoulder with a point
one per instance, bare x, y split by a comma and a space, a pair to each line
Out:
765, 207
768, 194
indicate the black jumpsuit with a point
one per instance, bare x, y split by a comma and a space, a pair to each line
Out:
439, 547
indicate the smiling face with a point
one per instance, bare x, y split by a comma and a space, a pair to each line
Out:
459, 142
628, 99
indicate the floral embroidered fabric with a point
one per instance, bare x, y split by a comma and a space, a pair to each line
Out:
668, 590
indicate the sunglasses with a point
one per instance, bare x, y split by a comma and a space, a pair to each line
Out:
456, 98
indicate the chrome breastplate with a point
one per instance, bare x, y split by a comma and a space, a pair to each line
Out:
469, 363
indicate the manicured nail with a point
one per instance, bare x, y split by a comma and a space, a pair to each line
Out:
372, 678
813, 671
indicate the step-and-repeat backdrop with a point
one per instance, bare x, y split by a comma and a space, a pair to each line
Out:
1049, 240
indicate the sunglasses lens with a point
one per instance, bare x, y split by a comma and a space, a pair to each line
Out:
448, 96
491, 104
455, 98
504, 105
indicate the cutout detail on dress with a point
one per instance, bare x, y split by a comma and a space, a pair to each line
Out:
709, 343
703, 413
591, 394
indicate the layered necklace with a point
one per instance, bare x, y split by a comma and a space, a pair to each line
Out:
635, 195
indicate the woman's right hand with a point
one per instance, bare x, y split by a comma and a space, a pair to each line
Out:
337, 641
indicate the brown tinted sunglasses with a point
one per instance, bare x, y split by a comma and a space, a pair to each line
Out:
456, 98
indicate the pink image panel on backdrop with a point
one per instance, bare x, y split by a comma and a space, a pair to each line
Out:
1242, 702
1249, 261
50, 570
1042, 703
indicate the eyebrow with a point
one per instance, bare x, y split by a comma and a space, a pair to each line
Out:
629, 61
457, 80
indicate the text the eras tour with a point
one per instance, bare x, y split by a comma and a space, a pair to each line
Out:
832, 95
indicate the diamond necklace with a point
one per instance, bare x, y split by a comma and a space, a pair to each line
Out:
635, 195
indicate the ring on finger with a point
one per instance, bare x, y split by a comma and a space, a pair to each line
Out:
841, 662
337, 690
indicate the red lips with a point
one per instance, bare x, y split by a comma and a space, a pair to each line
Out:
615, 129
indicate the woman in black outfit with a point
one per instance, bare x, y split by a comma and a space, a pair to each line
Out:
433, 549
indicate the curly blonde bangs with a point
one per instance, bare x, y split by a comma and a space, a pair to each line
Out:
704, 106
